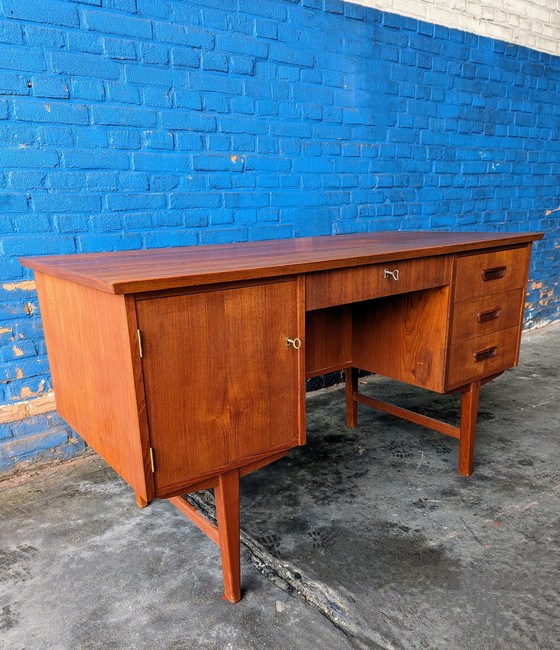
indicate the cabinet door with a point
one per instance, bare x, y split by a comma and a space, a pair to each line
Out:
221, 384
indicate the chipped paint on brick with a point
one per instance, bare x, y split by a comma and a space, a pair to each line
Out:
26, 392
25, 285
13, 412
29, 308
17, 351
5, 330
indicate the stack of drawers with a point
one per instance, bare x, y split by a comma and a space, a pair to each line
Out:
487, 314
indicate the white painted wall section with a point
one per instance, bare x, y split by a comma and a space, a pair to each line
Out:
530, 23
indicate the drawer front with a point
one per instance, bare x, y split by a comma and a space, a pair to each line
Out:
483, 356
488, 273
472, 318
342, 286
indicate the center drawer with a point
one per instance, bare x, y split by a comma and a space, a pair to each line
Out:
342, 286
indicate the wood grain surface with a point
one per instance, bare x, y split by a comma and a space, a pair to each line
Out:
222, 387
91, 364
165, 268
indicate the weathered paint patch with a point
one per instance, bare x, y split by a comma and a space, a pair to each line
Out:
26, 392
24, 285
29, 308
13, 412
17, 351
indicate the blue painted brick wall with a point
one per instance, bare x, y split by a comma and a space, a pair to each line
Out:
141, 123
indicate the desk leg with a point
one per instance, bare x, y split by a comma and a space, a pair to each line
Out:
469, 412
351, 378
140, 501
226, 495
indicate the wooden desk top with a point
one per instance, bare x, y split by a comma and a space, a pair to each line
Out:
134, 271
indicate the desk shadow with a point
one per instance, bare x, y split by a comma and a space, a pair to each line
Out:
411, 554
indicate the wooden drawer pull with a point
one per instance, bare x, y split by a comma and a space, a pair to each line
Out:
490, 314
482, 355
494, 274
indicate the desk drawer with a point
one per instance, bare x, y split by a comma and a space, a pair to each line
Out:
482, 356
342, 286
472, 318
489, 273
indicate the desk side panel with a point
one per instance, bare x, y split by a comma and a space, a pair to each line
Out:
89, 349
404, 337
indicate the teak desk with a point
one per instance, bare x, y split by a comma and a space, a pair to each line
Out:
184, 368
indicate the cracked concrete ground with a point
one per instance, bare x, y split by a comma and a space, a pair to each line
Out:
363, 538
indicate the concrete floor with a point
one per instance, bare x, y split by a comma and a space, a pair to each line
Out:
363, 538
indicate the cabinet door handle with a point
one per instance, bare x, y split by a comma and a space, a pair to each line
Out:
391, 274
482, 355
490, 314
295, 343
494, 274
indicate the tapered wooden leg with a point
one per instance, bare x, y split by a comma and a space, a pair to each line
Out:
351, 378
140, 501
469, 412
226, 494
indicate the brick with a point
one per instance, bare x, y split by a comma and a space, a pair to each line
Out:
185, 57
154, 96
198, 200
47, 111
22, 59
66, 202
164, 238
112, 116
26, 157
149, 75
111, 23
181, 35
161, 162
39, 11
53, 245
121, 49
158, 140
87, 89
80, 42
154, 54
211, 162
136, 201
50, 86
10, 32
84, 65
243, 65
13, 84
241, 45
292, 55
216, 83
97, 243
186, 121
95, 159
214, 61
12, 203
